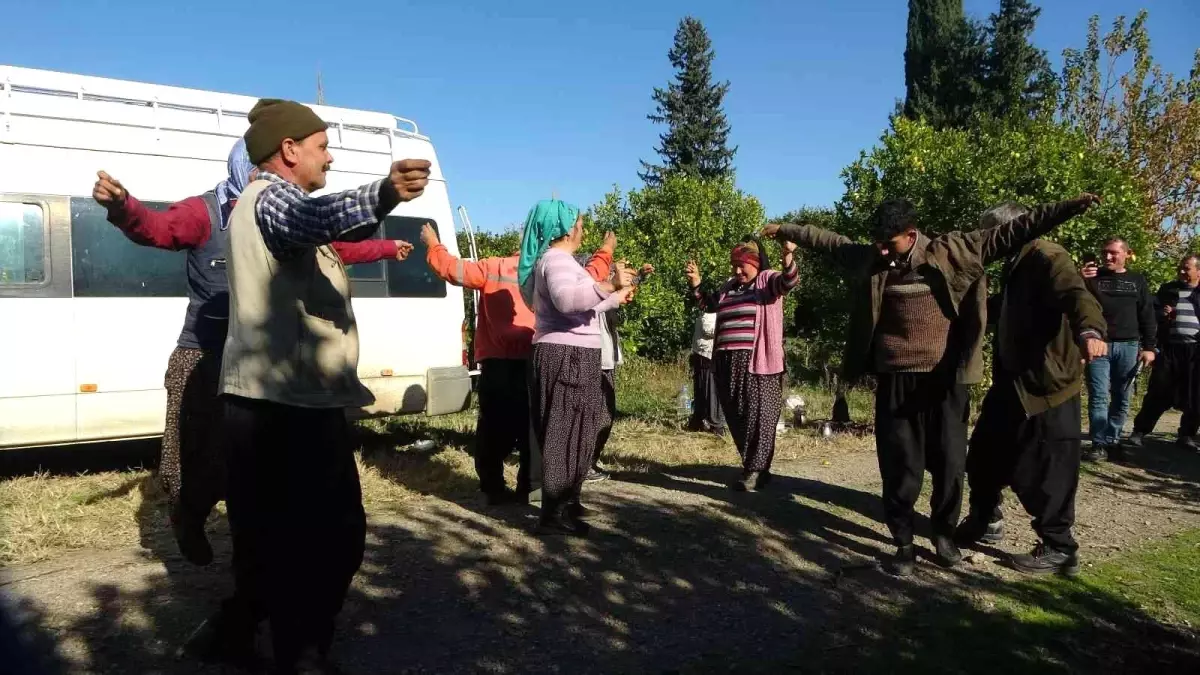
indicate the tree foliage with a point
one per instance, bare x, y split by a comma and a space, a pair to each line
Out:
1017, 77
696, 141
666, 225
953, 175
1122, 101
958, 70
941, 58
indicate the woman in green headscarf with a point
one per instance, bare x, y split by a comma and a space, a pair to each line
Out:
566, 400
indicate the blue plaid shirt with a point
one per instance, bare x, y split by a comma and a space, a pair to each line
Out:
292, 220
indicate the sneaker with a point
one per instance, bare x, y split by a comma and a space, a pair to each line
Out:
947, 554
904, 562
595, 475
973, 530
1046, 560
1135, 439
189, 536
747, 483
1096, 453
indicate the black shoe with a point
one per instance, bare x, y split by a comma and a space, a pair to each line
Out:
1045, 560
946, 553
1135, 439
1116, 453
1096, 453
189, 536
903, 562
559, 522
503, 497
763, 480
595, 475
579, 511
747, 483
223, 638
973, 530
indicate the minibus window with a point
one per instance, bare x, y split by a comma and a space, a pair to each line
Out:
109, 265
411, 278
22, 244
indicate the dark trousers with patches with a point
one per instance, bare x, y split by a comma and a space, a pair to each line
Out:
921, 424
1174, 383
706, 399
1037, 456
608, 384
503, 424
296, 516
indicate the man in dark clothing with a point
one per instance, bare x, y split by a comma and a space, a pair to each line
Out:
1028, 434
1129, 311
1174, 381
917, 322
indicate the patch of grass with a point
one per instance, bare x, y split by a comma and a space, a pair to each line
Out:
46, 515
1132, 613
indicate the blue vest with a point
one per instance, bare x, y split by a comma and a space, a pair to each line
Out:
207, 318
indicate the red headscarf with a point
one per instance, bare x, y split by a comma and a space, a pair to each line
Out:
745, 254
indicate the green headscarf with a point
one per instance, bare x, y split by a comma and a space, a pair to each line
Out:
548, 220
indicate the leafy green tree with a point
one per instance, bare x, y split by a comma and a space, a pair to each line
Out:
1147, 118
666, 225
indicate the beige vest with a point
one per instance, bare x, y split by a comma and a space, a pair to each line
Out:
292, 337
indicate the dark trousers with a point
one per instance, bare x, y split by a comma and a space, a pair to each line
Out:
1173, 384
608, 383
296, 516
706, 402
1037, 456
921, 424
503, 424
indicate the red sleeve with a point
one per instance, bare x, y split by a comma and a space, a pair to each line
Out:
369, 251
600, 265
183, 225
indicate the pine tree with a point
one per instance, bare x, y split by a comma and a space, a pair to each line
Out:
1019, 80
690, 106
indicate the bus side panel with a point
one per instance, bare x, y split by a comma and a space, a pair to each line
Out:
37, 371
123, 345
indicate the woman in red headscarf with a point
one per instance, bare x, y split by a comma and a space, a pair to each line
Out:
748, 351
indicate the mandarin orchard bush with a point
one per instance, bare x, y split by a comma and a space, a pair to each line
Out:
665, 226
953, 175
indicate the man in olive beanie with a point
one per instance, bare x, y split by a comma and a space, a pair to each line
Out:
272, 120
289, 373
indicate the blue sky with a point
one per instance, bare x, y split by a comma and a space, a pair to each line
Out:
523, 98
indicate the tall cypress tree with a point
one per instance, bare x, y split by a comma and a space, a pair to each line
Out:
1019, 79
942, 63
690, 106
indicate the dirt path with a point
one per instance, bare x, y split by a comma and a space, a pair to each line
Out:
680, 575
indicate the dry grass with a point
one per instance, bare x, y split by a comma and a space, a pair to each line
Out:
43, 516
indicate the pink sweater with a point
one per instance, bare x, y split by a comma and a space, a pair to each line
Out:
566, 302
766, 358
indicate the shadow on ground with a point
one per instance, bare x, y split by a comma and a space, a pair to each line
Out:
680, 576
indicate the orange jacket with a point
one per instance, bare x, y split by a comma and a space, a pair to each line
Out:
505, 326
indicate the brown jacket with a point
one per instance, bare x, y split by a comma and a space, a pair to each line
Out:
952, 263
1046, 311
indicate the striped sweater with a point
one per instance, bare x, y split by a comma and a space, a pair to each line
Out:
737, 307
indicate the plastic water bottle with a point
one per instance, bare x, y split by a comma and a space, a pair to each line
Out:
683, 403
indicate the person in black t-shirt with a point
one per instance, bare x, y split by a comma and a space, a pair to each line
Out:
1132, 331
